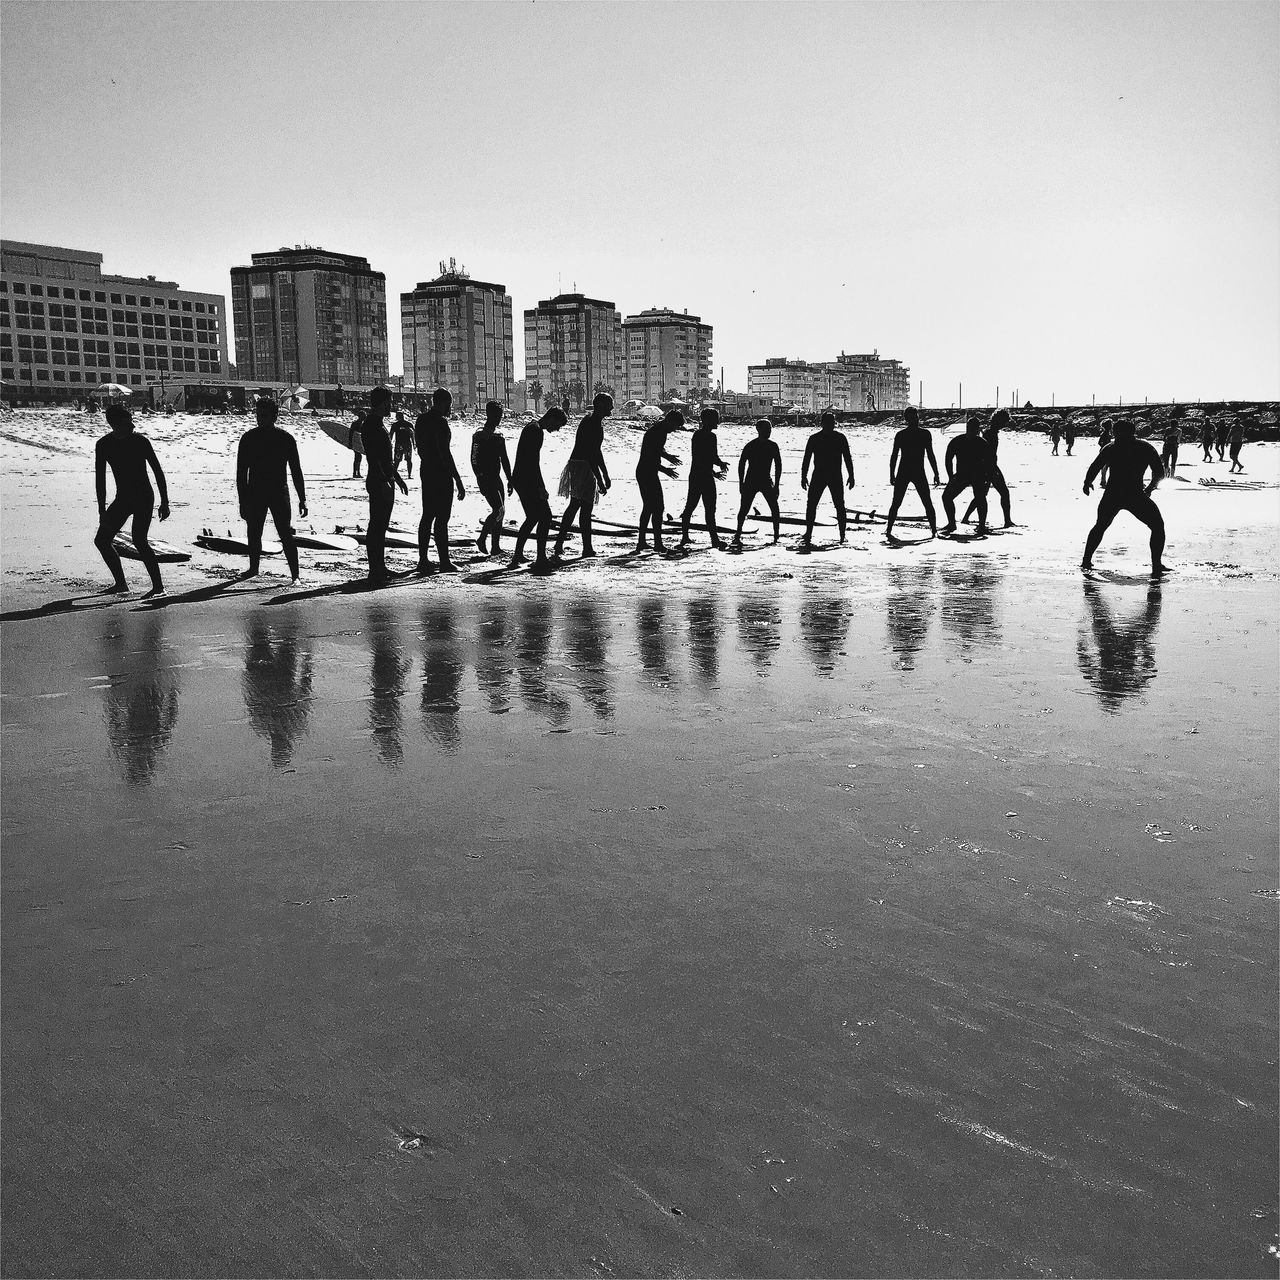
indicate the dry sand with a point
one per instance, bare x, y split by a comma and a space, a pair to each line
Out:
882, 912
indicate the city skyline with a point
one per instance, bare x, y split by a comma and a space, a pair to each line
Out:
1070, 200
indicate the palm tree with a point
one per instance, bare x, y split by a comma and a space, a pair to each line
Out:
536, 391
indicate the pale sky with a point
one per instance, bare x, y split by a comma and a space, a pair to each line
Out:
1069, 199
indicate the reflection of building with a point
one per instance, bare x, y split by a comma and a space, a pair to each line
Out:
65, 327
664, 352
573, 343
854, 382
455, 333
307, 315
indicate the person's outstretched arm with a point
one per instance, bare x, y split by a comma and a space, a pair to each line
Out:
163, 511
933, 462
295, 469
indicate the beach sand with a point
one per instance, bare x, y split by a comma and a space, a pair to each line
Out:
886, 911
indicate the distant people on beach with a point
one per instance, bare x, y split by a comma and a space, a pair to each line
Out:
1055, 434
911, 447
1069, 435
381, 482
999, 420
1206, 439
1237, 443
1220, 440
489, 464
1169, 453
128, 455
968, 462
705, 468
402, 443
267, 457
649, 473
1126, 461
1104, 433
828, 452
354, 433
531, 489
440, 478
585, 474
759, 472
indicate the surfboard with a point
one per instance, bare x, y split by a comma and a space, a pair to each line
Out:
166, 552
400, 538
326, 541
340, 432
233, 546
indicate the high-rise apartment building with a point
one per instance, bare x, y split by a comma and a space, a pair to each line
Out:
65, 327
456, 333
305, 315
573, 345
856, 383
665, 353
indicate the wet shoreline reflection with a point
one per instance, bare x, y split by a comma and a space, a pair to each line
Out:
276, 684
1121, 661
140, 697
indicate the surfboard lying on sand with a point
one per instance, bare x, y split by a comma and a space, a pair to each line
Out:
326, 541
166, 552
340, 433
233, 546
402, 538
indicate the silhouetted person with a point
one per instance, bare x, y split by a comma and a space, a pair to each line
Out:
1237, 443
911, 447
277, 681
999, 420
649, 473
704, 468
1125, 661
1127, 460
827, 450
1104, 433
440, 478
267, 457
381, 482
968, 462
128, 455
1206, 439
759, 472
489, 464
1220, 439
526, 478
402, 443
1069, 435
1055, 434
585, 474
353, 433
1169, 454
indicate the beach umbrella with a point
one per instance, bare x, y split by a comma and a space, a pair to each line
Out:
115, 388
648, 411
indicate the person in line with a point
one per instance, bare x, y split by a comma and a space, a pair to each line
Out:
1206, 440
968, 462
828, 451
267, 457
440, 478
585, 474
128, 455
759, 472
1055, 434
381, 482
1237, 443
911, 446
1126, 461
649, 470
1104, 433
526, 478
402, 441
1220, 439
991, 434
1169, 454
489, 464
1069, 435
352, 433
705, 468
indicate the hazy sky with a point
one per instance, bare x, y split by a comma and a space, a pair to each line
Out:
1065, 198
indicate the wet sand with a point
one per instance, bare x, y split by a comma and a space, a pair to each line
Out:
869, 913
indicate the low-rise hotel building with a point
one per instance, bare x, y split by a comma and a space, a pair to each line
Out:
851, 383
665, 353
65, 328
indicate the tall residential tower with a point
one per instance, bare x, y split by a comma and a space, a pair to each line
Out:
665, 353
573, 347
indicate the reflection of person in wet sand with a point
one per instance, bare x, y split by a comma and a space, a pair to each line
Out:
533, 649
526, 478
705, 626
267, 457
141, 704
439, 476
908, 611
387, 671
1126, 460
1125, 659
968, 467
649, 473
277, 682
585, 475
968, 606
759, 629
128, 455
759, 472
911, 446
586, 640
489, 464
651, 638
442, 669
380, 483
828, 451
824, 620
705, 468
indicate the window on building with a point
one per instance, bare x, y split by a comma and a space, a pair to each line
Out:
130, 300
18, 287
115, 297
